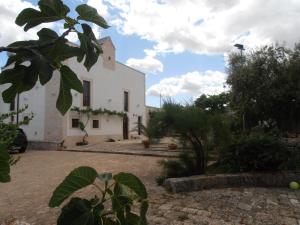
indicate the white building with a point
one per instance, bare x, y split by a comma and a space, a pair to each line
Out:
109, 85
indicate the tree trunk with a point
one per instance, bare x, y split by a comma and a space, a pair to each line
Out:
85, 136
199, 152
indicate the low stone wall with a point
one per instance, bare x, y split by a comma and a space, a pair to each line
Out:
43, 145
196, 183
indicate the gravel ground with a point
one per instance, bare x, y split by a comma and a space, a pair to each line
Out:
38, 173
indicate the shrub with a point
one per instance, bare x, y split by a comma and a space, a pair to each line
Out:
259, 152
184, 166
121, 199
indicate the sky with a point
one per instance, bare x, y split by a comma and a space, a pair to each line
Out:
181, 45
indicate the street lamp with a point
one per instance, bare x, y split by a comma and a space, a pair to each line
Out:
240, 47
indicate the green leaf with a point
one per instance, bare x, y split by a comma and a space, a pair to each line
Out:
105, 176
87, 30
68, 81
132, 182
54, 8
4, 164
77, 179
22, 79
46, 35
40, 64
143, 212
90, 14
22, 43
64, 100
79, 212
61, 51
91, 54
71, 79
132, 219
9, 94
32, 17
51, 10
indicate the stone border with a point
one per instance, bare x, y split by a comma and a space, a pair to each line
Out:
43, 145
201, 182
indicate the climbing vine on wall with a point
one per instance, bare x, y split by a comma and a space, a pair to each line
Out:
99, 111
88, 112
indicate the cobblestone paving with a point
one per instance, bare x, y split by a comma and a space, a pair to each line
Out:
38, 173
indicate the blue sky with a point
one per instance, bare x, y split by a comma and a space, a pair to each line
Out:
180, 45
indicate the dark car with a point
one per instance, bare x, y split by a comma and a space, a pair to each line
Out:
21, 142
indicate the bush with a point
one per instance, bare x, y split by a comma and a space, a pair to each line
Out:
259, 152
184, 166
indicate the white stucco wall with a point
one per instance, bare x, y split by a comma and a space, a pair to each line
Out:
107, 90
35, 99
108, 79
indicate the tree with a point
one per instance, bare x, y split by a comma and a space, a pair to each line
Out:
265, 86
214, 103
9, 132
193, 124
36, 60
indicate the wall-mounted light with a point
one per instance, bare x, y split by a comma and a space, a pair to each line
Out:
109, 100
138, 105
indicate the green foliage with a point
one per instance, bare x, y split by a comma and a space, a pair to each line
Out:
258, 152
214, 103
8, 133
86, 113
148, 131
77, 179
68, 81
185, 165
4, 164
201, 129
265, 86
123, 190
90, 14
49, 52
95, 112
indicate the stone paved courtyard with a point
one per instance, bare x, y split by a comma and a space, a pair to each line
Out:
39, 172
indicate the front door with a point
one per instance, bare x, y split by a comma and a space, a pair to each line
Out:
139, 125
125, 127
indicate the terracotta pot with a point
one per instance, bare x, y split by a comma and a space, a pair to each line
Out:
146, 143
172, 146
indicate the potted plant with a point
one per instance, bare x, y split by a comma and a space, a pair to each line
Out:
172, 146
146, 143
147, 131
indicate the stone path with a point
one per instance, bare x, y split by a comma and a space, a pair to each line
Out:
38, 173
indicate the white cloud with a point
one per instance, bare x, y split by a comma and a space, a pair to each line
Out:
148, 64
102, 8
10, 32
208, 26
193, 83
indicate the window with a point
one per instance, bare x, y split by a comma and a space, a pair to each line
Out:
95, 123
75, 123
86, 93
126, 101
